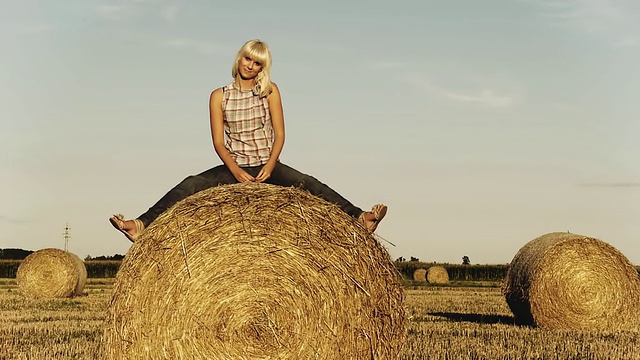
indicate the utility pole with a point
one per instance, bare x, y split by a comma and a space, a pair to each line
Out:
67, 236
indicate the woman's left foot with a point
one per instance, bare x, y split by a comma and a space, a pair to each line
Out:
371, 219
130, 228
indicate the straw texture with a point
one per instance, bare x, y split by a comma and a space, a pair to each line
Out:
437, 275
255, 271
569, 281
420, 275
51, 273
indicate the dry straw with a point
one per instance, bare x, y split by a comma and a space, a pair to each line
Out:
255, 271
437, 275
420, 275
51, 273
568, 281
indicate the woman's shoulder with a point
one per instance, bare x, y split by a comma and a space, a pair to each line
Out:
224, 88
274, 88
217, 95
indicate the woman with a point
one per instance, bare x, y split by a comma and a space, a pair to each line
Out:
247, 127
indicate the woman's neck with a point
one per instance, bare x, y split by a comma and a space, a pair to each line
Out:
245, 84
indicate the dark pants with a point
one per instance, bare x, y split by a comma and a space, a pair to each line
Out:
282, 175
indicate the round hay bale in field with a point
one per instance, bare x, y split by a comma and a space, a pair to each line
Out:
420, 275
51, 273
437, 275
573, 282
255, 271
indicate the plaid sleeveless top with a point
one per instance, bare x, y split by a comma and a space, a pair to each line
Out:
247, 125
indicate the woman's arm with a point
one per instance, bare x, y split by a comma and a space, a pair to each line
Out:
277, 120
217, 134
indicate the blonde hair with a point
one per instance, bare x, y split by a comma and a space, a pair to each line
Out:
258, 51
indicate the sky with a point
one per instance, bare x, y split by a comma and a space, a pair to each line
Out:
481, 124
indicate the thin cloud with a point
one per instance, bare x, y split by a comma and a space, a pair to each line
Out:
614, 21
117, 12
21, 28
611, 185
114, 12
385, 65
8, 220
170, 12
486, 97
586, 13
626, 43
205, 47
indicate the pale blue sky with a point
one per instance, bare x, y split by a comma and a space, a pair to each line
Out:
482, 124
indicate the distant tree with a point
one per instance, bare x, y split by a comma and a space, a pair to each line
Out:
465, 260
14, 254
401, 259
414, 259
103, 257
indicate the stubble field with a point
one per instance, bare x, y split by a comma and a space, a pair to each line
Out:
447, 322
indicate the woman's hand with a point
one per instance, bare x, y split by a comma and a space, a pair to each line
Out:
265, 172
243, 176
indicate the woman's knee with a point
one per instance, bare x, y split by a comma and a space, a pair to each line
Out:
193, 183
310, 184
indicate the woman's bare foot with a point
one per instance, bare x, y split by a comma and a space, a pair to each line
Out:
368, 219
371, 219
130, 228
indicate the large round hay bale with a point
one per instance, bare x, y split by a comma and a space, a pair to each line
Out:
437, 275
568, 281
51, 273
255, 271
420, 275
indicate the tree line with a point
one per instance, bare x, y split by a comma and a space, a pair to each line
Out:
21, 254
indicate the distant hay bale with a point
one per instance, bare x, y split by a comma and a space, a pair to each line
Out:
51, 273
573, 282
255, 271
437, 275
420, 275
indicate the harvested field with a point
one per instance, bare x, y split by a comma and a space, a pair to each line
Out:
446, 323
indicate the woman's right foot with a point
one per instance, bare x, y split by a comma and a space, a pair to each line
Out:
130, 228
371, 219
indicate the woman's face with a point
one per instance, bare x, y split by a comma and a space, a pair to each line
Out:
249, 68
